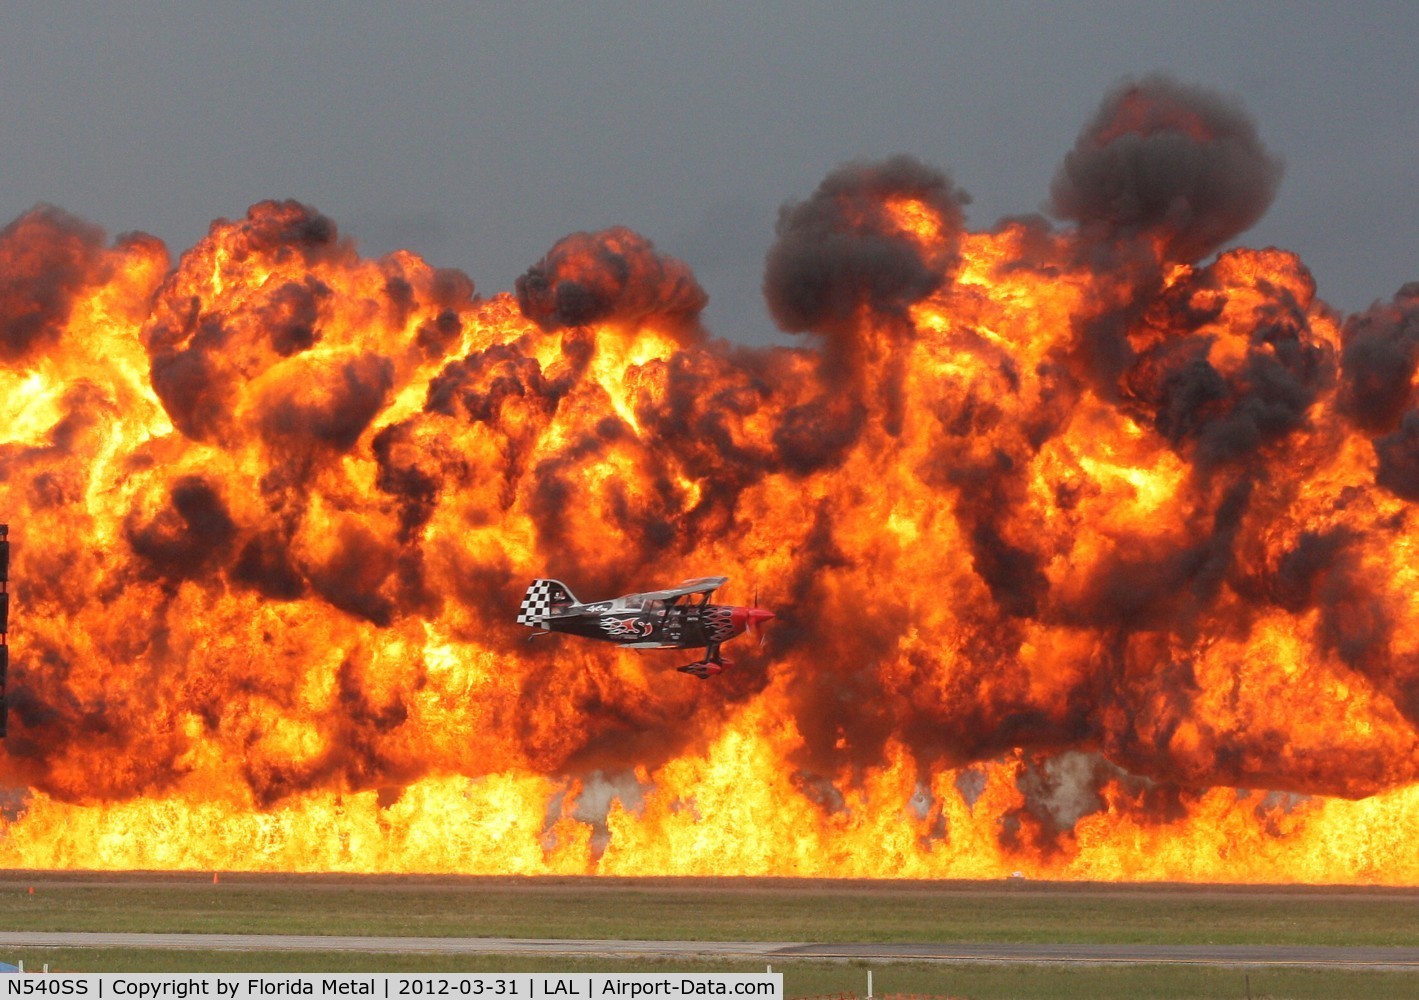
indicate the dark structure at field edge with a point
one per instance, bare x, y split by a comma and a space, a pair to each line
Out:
4, 621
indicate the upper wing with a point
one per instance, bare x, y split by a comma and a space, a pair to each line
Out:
704, 585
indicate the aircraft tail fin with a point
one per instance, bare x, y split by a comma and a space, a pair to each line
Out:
539, 600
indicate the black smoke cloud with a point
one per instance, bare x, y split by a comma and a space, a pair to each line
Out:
46, 256
1174, 162
1379, 356
842, 250
614, 275
334, 407
190, 534
1226, 414
1398, 454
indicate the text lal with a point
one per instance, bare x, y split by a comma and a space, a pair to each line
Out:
634, 988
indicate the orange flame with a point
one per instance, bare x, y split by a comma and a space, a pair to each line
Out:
1090, 559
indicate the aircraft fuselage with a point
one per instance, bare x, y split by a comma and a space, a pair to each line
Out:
652, 624
678, 618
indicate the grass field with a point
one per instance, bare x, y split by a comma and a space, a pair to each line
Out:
730, 909
707, 909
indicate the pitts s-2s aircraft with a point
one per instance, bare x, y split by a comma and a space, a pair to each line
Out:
678, 618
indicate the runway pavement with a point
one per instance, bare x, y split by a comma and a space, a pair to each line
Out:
764, 951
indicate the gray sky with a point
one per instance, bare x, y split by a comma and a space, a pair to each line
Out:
478, 135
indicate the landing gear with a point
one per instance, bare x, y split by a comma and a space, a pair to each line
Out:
706, 669
711, 666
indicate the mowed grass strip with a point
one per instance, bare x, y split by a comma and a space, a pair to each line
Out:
708, 910
800, 978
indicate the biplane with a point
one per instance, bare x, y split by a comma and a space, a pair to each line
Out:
680, 617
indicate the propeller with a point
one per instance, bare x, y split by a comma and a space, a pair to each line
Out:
757, 616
